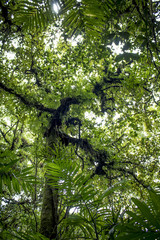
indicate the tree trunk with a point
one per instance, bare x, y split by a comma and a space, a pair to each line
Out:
49, 213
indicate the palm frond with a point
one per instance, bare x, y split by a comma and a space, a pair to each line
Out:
66, 175
22, 236
145, 223
155, 203
36, 14
12, 177
79, 195
86, 16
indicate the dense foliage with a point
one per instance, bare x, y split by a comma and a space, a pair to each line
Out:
80, 107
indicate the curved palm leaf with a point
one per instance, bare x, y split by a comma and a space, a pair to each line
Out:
146, 223
35, 14
86, 16
11, 177
84, 204
22, 236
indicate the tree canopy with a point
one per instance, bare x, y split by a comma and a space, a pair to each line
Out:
80, 107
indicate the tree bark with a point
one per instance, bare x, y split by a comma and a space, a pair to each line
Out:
49, 214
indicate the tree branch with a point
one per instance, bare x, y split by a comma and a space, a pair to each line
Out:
133, 175
60, 111
99, 156
14, 137
4, 136
26, 101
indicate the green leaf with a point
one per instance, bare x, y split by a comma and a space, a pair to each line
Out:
127, 57
137, 218
155, 201
145, 211
115, 187
133, 236
16, 185
124, 35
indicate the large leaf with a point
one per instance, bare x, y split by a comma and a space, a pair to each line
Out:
155, 203
86, 16
145, 211
83, 223
11, 176
34, 14
146, 223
